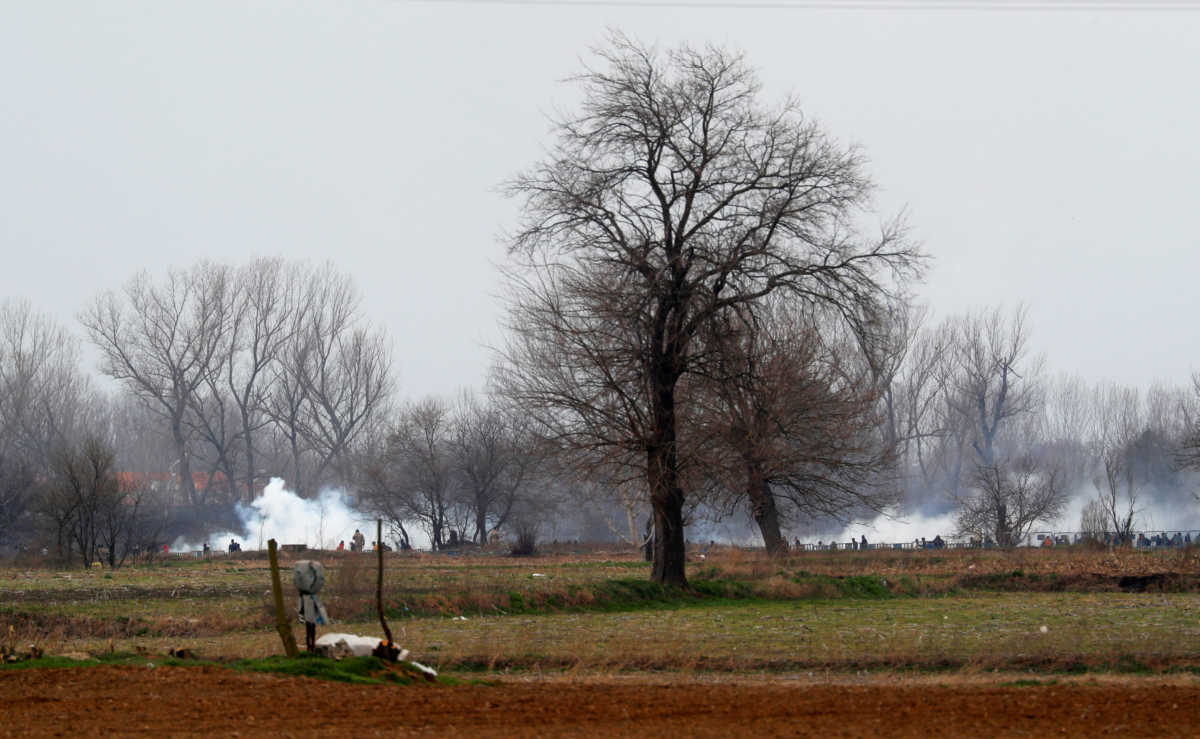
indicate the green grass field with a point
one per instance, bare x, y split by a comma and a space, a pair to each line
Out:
1064, 610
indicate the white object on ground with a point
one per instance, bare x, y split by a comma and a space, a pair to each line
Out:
338, 646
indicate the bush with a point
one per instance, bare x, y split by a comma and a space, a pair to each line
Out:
526, 543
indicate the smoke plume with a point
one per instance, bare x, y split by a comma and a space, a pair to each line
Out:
280, 514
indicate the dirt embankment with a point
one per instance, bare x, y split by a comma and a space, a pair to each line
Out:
211, 700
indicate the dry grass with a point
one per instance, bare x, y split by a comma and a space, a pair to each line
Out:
514, 619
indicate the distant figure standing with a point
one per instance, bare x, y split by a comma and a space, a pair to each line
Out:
234, 546
342, 545
864, 544
359, 540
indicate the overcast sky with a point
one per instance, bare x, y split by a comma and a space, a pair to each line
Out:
1050, 157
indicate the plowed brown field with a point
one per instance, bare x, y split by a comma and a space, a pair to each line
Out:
171, 701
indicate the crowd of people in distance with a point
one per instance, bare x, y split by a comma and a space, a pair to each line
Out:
1164, 540
1142, 540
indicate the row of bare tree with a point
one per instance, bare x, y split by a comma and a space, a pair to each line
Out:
460, 471
251, 371
224, 376
695, 304
787, 416
978, 422
702, 317
227, 376
57, 435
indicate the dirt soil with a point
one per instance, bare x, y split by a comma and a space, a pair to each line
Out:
177, 701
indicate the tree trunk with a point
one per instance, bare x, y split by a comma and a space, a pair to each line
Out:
249, 465
481, 524
669, 550
297, 483
1003, 532
662, 472
186, 483
667, 501
764, 510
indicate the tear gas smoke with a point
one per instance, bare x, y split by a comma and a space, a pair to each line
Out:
895, 529
1152, 512
280, 514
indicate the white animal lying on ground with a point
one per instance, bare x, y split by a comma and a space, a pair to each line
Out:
350, 645
337, 646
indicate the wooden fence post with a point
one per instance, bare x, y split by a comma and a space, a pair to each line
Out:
379, 582
282, 622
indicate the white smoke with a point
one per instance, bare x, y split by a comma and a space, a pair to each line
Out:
280, 514
1154, 510
1152, 513
894, 529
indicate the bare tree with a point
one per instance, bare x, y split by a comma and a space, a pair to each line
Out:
43, 394
45, 401
1000, 480
494, 455
412, 478
333, 381
1119, 419
162, 341
129, 523
213, 422
267, 296
81, 492
796, 420
17, 482
1117, 496
288, 400
1093, 522
995, 378
919, 395
670, 198
1010, 497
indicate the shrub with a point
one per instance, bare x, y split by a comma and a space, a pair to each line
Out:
526, 543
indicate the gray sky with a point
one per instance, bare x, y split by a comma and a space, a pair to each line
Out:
1045, 157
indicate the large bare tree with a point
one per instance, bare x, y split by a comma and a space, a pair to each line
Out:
332, 381
162, 340
996, 378
1006, 479
672, 196
231, 405
794, 415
